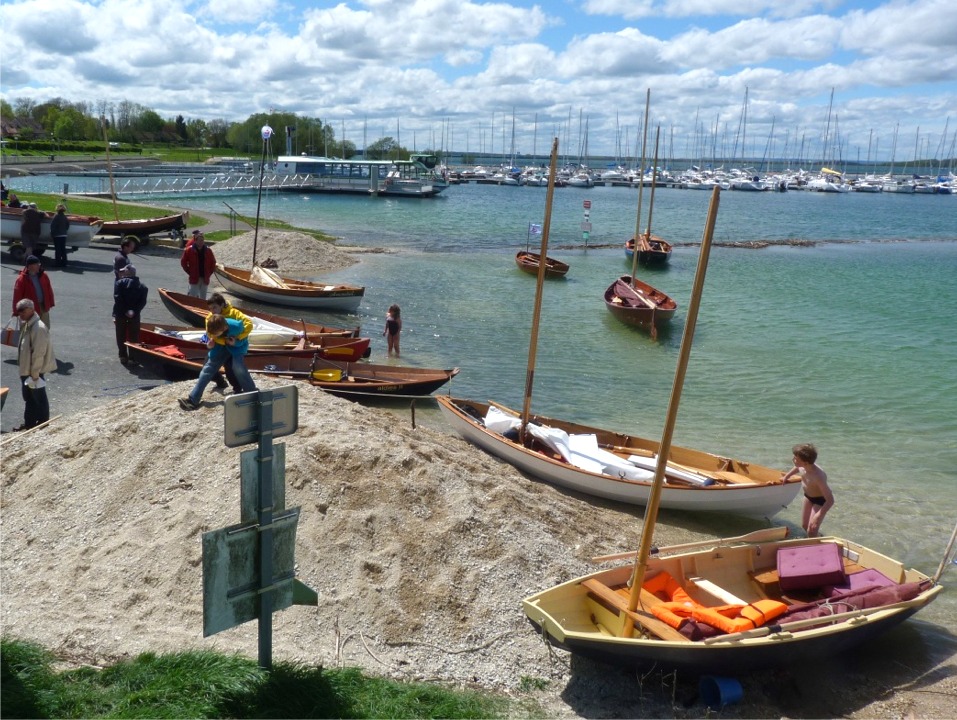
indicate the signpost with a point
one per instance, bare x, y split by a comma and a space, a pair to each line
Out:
249, 568
586, 224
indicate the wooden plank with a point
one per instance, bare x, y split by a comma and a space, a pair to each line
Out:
655, 626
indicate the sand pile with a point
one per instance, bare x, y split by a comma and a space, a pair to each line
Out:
295, 253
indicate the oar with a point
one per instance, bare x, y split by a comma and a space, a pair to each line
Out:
943, 561
765, 535
810, 622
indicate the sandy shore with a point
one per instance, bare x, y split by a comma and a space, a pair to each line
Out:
420, 546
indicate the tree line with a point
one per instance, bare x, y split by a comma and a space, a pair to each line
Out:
60, 123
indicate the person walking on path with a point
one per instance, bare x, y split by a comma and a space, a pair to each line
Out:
129, 299
59, 230
122, 257
31, 223
198, 262
34, 359
393, 326
218, 306
34, 284
233, 350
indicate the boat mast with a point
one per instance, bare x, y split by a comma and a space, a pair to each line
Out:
664, 449
533, 342
266, 134
641, 185
651, 200
109, 168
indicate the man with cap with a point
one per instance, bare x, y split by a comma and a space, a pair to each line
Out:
129, 299
34, 359
31, 223
199, 263
34, 284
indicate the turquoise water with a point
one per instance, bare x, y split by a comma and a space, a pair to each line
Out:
850, 343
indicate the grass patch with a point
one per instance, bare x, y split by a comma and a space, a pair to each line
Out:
82, 205
203, 684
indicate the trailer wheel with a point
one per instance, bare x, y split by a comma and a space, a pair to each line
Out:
17, 253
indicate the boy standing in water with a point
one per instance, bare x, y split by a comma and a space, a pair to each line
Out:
818, 498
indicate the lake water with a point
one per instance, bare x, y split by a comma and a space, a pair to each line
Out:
850, 343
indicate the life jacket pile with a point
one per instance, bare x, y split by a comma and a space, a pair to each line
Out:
679, 607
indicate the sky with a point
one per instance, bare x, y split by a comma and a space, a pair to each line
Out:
731, 78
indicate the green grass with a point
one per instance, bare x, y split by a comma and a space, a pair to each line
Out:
81, 205
210, 685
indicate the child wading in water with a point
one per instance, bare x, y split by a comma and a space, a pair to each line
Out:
818, 498
393, 326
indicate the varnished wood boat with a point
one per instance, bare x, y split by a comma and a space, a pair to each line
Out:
586, 615
639, 304
193, 311
289, 292
81, 232
529, 262
620, 467
653, 251
262, 340
355, 381
143, 228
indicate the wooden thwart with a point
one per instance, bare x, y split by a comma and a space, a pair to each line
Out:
652, 624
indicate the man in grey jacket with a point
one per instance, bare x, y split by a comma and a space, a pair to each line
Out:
35, 359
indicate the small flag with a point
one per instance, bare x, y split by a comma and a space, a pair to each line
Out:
534, 229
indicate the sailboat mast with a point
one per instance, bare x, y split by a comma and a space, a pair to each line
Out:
651, 200
641, 183
664, 449
536, 315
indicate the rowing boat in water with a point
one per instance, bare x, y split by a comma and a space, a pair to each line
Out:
193, 311
653, 251
266, 286
637, 303
617, 466
529, 262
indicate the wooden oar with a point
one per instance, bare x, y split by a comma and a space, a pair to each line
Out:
772, 534
851, 616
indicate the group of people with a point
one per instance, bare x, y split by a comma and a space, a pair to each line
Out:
31, 228
32, 301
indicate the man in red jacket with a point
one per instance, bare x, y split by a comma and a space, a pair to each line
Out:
198, 262
33, 283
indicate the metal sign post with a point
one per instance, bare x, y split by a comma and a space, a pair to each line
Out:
586, 223
249, 569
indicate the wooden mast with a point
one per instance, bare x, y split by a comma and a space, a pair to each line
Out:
664, 450
109, 168
641, 185
533, 342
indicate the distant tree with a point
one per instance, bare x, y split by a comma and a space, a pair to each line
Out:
195, 130
6, 109
216, 132
181, 127
386, 149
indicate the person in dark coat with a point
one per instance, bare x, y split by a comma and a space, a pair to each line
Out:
30, 225
129, 299
59, 229
122, 257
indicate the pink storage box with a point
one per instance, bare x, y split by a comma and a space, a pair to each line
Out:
808, 567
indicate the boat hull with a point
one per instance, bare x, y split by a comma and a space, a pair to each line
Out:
762, 497
639, 304
529, 262
340, 298
193, 311
567, 615
81, 232
145, 227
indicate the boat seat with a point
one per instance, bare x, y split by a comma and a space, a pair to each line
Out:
618, 600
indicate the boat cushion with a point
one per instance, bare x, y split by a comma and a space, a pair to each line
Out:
869, 578
808, 567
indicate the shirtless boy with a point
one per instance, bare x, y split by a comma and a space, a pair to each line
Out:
818, 498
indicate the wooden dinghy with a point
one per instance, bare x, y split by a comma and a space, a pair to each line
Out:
262, 340
812, 613
653, 251
266, 286
143, 228
637, 303
355, 381
529, 262
620, 467
193, 311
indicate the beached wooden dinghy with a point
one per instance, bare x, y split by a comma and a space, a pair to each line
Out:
653, 251
266, 286
637, 303
355, 381
529, 262
620, 467
193, 311
263, 339
144, 227
842, 595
